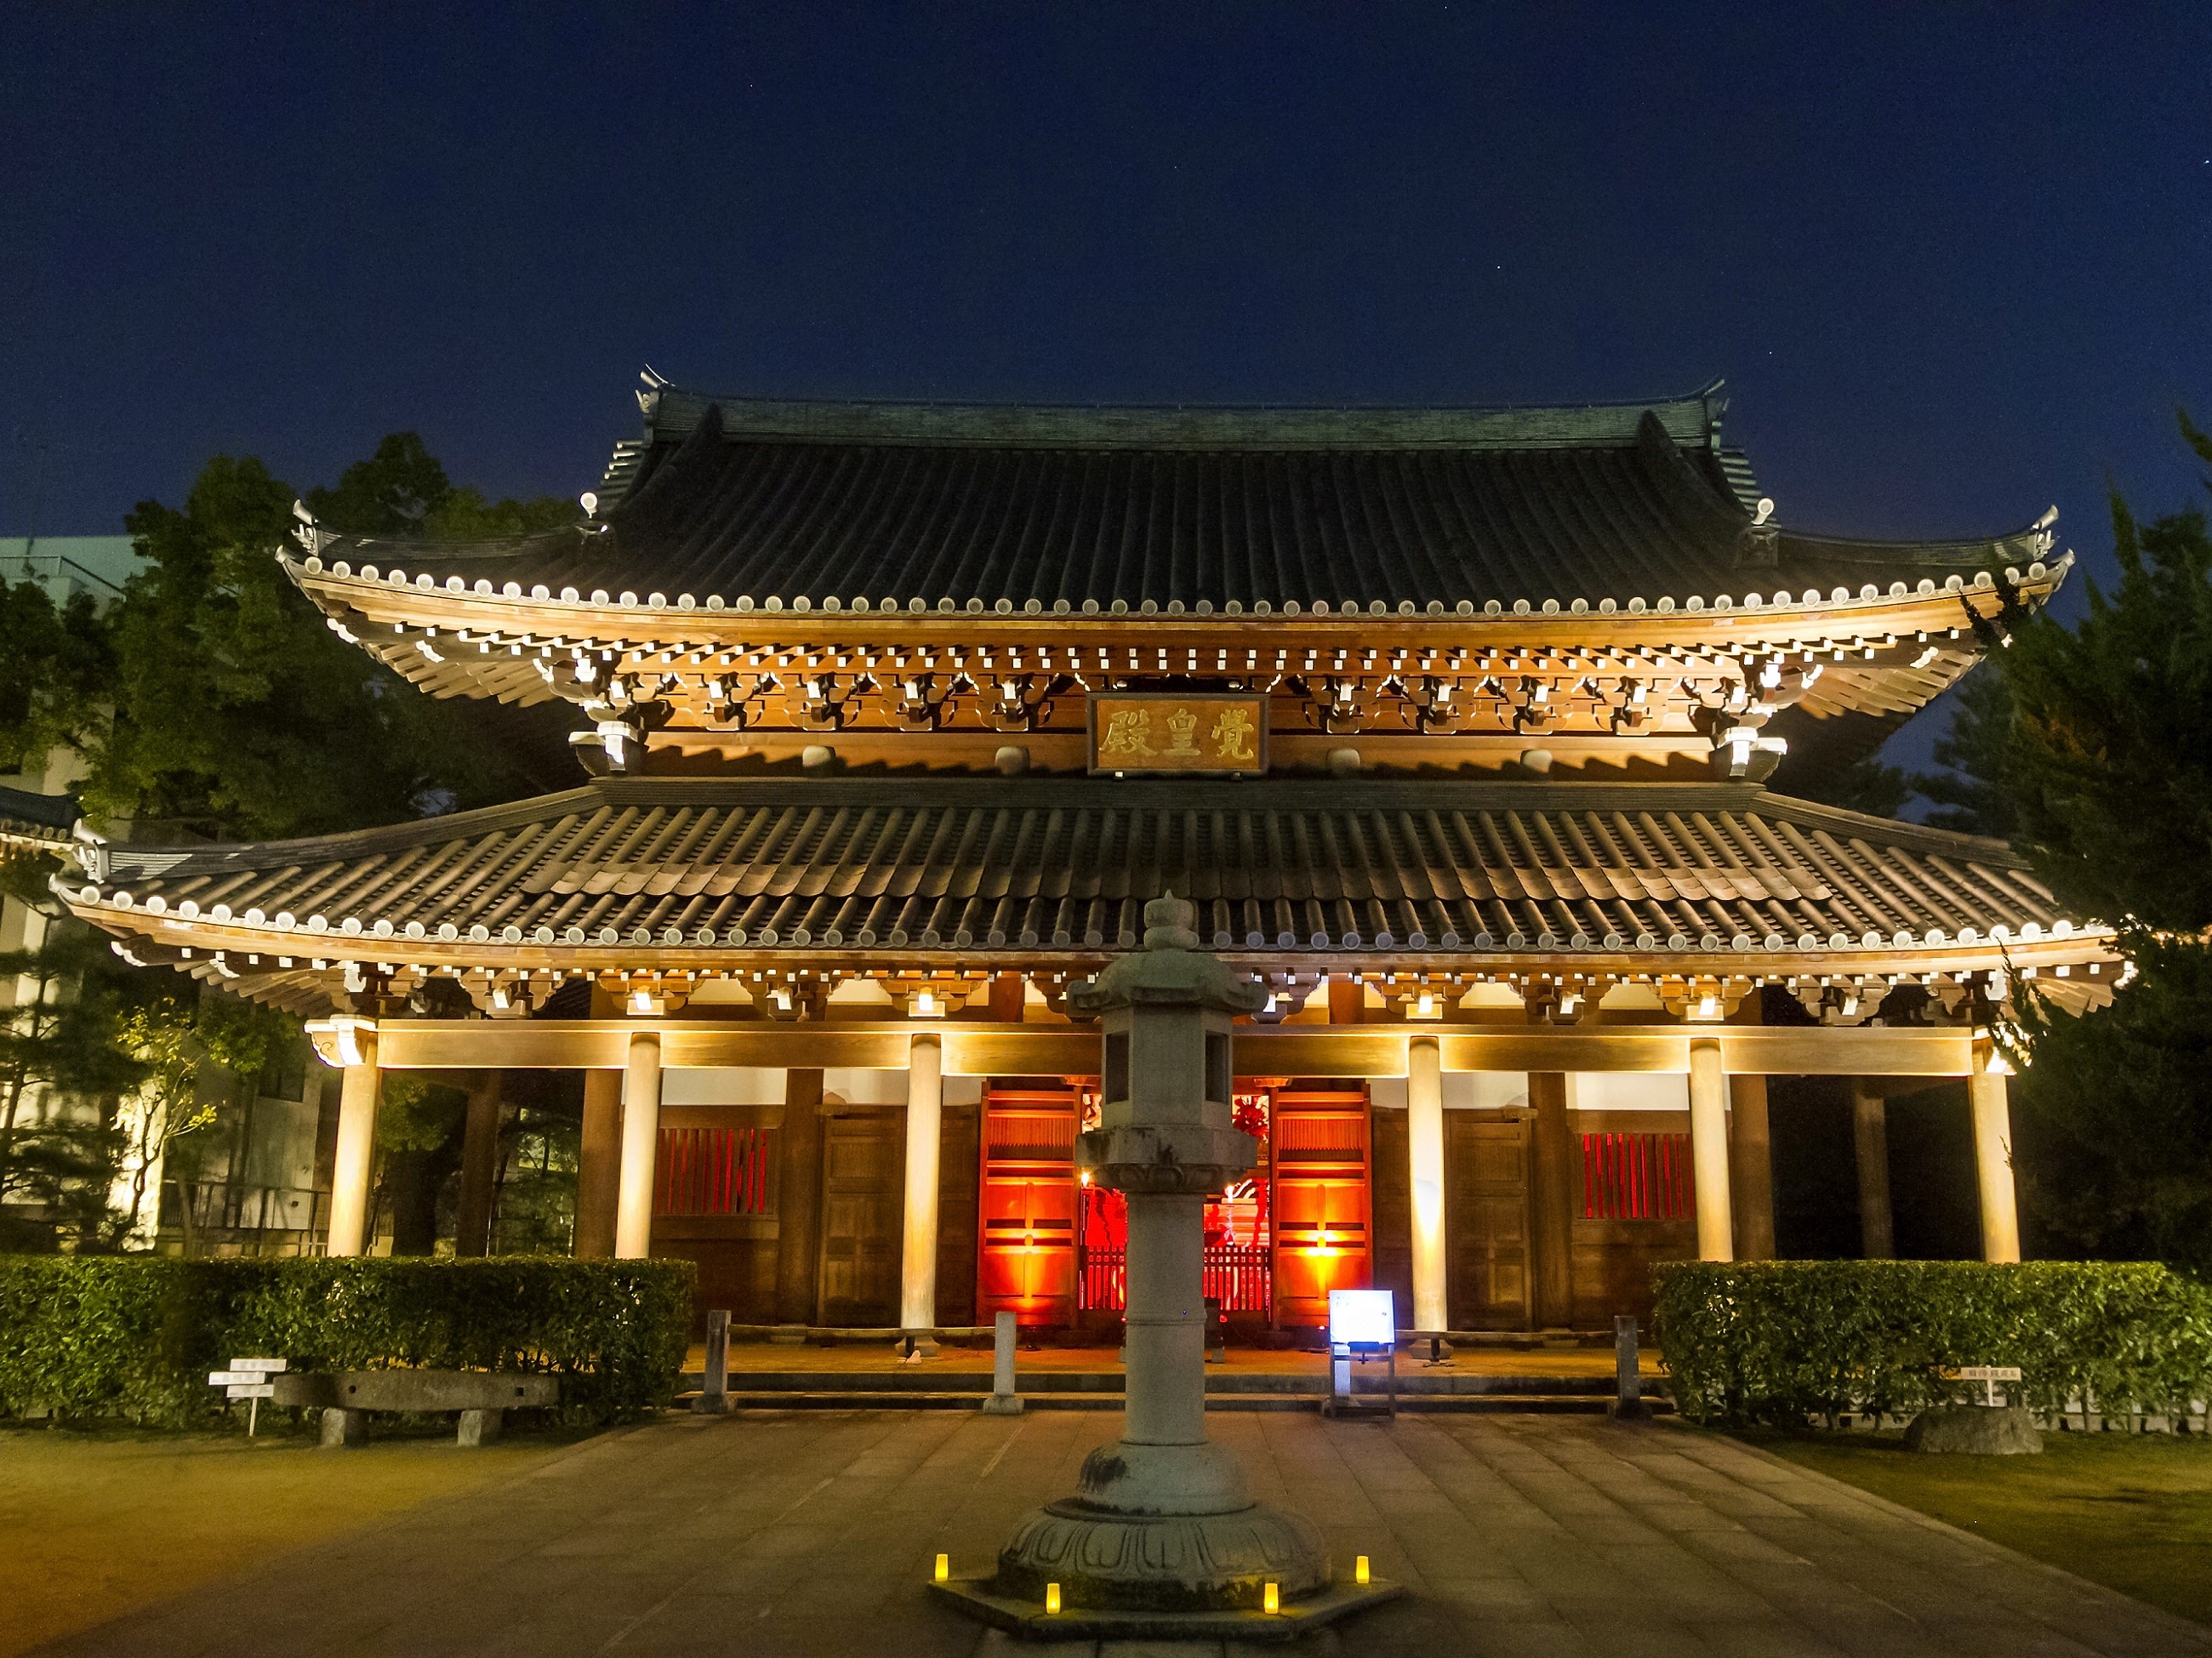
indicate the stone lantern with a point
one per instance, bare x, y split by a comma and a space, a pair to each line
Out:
1162, 1536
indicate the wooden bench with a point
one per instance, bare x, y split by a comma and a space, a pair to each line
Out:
482, 1397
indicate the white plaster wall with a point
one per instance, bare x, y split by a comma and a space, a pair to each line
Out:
1628, 1091
729, 1084
1485, 1090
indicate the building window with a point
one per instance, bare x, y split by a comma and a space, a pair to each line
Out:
715, 1171
1636, 1177
285, 1075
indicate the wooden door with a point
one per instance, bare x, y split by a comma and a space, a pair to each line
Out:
1027, 1198
1320, 1200
863, 1204
1487, 1221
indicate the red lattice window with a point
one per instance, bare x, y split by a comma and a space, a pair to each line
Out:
1636, 1177
714, 1171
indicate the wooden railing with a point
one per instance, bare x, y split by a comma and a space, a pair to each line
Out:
1241, 1275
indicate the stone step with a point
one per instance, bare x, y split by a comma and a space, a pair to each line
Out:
858, 1398
922, 1379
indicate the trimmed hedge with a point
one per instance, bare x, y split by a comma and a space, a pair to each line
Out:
1782, 1342
135, 1336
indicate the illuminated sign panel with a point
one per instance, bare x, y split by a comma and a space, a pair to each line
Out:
1364, 1317
1146, 732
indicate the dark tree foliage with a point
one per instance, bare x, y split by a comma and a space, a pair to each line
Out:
2091, 746
2115, 1130
63, 1068
2109, 756
55, 667
1866, 786
1970, 794
212, 697
235, 708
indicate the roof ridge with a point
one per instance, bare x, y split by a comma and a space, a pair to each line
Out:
670, 411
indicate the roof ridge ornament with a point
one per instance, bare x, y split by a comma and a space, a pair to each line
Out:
308, 531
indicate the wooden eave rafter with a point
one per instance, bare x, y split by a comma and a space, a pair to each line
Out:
1886, 653
163, 936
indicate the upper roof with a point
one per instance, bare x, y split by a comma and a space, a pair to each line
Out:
742, 500
664, 871
38, 822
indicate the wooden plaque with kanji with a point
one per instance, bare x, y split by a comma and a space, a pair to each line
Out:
1141, 732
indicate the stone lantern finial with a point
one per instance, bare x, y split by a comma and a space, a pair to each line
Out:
1168, 923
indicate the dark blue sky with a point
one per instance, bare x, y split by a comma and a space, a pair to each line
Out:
1955, 263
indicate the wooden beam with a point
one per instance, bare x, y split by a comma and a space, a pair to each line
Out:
979, 1050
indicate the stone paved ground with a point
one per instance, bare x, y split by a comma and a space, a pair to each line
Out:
810, 1533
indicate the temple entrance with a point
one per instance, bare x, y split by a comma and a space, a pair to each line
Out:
863, 1174
1026, 1255
1279, 1239
1322, 1208
1487, 1221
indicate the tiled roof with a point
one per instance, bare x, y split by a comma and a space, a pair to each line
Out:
906, 503
991, 863
36, 819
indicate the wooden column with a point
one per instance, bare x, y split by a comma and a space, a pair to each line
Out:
798, 1198
1425, 1147
1550, 1203
1709, 1150
1871, 1141
1751, 1168
924, 1110
640, 1147
598, 1161
1987, 1094
359, 1096
479, 1164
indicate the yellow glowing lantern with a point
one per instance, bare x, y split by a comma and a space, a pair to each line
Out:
1052, 1599
1270, 1599
944, 1566
1359, 1568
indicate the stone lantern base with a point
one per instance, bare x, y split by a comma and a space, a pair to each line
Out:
1162, 1562
981, 1600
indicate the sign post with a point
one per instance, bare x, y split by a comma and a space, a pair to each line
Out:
1363, 1326
249, 1379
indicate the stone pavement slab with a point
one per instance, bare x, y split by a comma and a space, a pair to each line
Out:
805, 1533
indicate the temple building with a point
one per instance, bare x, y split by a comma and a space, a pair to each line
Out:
1456, 724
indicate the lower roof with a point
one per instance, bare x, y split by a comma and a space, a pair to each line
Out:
666, 866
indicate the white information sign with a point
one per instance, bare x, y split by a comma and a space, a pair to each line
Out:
1989, 1375
249, 1379
1367, 1317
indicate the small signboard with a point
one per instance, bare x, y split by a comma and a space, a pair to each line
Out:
1988, 1375
249, 1379
1366, 1318
1143, 733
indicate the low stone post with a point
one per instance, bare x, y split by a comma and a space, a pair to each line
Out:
342, 1427
1004, 1400
1628, 1404
715, 1389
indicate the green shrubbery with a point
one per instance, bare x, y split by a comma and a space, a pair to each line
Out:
135, 1337
1780, 1342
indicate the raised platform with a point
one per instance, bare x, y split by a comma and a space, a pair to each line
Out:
762, 1377
1028, 1620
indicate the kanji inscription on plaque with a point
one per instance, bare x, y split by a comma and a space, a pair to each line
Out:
1139, 731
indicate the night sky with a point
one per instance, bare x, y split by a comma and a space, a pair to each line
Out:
1955, 263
